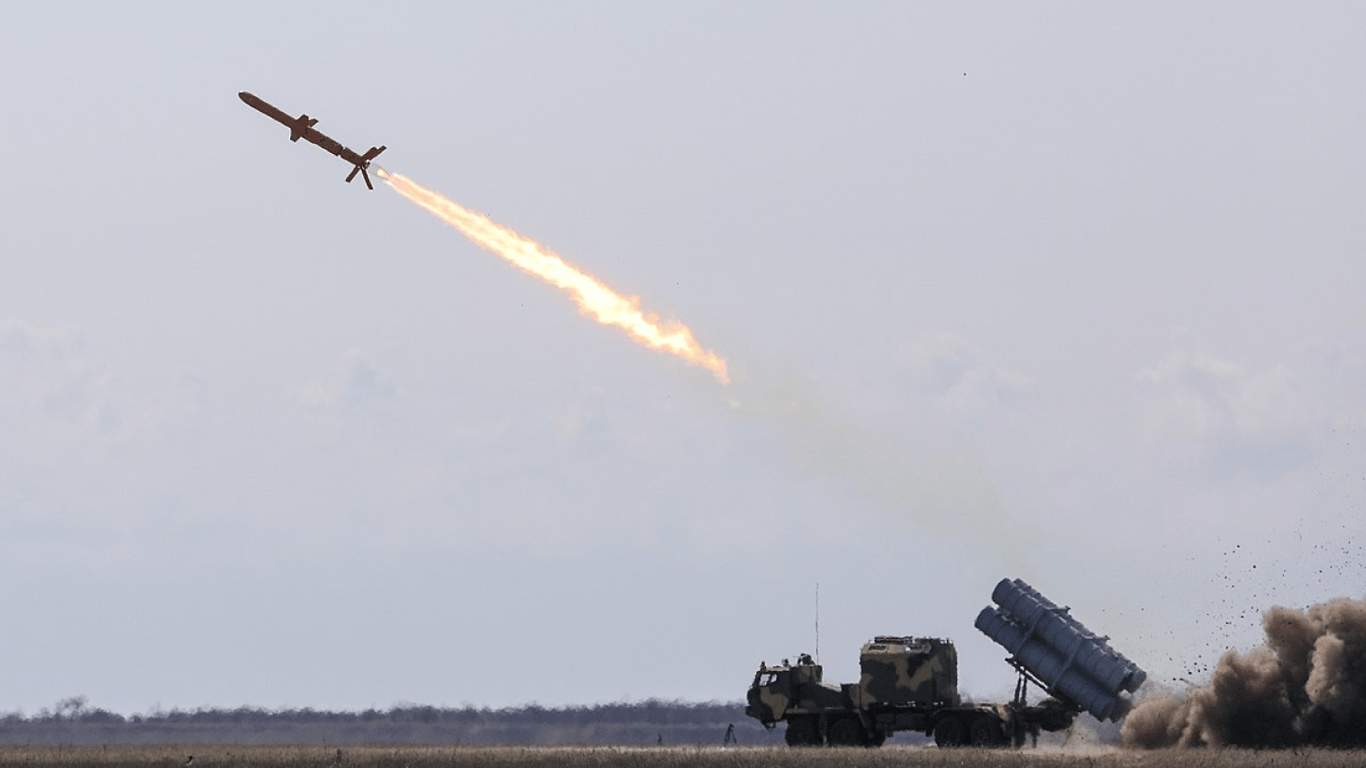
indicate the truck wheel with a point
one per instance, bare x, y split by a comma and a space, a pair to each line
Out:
984, 732
949, 732
803, 732
847, 732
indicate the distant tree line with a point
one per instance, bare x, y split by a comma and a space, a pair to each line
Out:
655, 721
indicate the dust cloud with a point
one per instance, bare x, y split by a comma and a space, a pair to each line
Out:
1306, 686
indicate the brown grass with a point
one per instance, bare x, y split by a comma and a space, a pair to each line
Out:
317, 756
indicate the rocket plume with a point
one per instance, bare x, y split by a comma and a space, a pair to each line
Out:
593, 297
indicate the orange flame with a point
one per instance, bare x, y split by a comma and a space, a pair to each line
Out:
594, 298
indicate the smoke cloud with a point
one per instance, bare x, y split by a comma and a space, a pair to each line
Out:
1306, 686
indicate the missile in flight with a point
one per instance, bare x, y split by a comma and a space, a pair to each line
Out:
301, 127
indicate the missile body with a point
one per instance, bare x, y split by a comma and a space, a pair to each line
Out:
301, 127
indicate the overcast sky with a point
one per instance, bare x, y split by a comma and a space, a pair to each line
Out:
1059, 291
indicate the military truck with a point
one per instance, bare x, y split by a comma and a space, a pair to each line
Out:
911, 683
906, 684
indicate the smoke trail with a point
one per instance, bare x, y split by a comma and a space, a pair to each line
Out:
593, 297
1308, 686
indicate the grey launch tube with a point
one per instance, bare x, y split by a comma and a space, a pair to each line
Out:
1054, 668
1070, 660
1057, 628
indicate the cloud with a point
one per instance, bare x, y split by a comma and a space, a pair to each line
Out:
1218, 416
585, 422
957, 373
354, 382
21, 342
48, 384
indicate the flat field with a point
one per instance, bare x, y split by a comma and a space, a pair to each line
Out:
322, 756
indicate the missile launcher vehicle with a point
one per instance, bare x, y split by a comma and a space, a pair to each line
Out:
911, 683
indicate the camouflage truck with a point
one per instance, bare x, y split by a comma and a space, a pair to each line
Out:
911, 683
905, 684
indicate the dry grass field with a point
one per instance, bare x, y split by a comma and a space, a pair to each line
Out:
319, 756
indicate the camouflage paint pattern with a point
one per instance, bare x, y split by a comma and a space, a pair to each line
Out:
792, 689
771, 694
908, 670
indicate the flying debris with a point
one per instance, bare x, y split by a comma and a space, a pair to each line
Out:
301, 127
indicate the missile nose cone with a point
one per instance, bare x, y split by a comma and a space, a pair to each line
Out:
244, 96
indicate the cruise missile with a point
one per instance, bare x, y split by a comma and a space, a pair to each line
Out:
301, 127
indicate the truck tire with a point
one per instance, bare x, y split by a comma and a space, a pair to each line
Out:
984, 731
803, 732
949, 732
847, 732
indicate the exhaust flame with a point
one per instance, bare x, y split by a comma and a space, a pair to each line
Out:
594, 298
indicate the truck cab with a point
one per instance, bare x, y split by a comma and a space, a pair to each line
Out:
779, 689
797, 694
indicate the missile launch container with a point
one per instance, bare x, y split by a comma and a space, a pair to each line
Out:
911, 684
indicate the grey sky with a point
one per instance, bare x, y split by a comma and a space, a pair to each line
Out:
1062, 292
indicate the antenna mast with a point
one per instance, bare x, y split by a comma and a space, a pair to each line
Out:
818, 622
